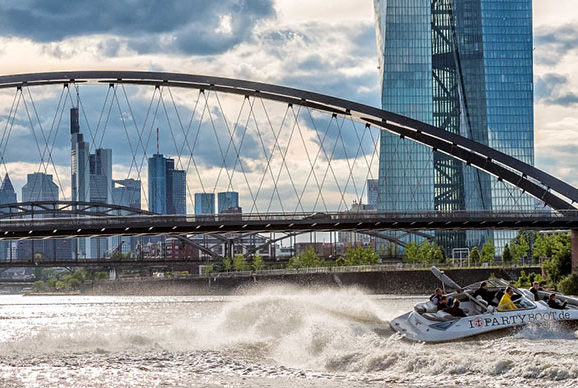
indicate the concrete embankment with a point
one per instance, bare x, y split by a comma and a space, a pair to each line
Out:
376, 282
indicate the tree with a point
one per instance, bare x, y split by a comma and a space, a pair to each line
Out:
519, 248
258, 263
424, 253
488, 252
356, 255
208, 268
561, 262
239, 263
542, 248
569, 285
474, 256
506, 255
412, 253
437, 254
227, 264
307, 258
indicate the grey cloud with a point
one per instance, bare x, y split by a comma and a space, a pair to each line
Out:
549, 89
559, 161
553, 43
565, 99
186, 26
547, 84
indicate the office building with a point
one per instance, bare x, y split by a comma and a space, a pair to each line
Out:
372, 193
178, 199
127, 193
40, 187
167, 186
464, 66
79, 160
228, 201
7, 195
157, 177
204, 204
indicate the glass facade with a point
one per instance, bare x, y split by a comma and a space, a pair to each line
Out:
157, 177
227, 200
204, 204
464, 66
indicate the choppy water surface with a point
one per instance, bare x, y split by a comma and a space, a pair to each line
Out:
272, 337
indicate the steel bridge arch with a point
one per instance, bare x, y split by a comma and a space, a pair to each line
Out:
554, 192
69, 208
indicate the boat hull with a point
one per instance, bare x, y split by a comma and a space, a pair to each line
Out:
416, 327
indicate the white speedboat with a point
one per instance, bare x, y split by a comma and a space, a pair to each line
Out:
427, 324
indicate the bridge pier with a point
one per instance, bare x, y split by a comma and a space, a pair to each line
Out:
574, 246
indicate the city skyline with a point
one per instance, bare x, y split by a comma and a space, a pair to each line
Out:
350, 68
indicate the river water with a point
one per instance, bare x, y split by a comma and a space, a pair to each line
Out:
271, 337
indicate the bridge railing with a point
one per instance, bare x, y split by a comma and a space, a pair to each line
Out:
310, 217
339, 269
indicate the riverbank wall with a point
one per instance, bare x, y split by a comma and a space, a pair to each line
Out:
406, 282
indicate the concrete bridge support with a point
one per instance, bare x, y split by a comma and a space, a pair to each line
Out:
574, 245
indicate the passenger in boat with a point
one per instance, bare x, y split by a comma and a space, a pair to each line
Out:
506, 302
534, 290
455, 310
554, 303
486, 294
437, 296
444, 303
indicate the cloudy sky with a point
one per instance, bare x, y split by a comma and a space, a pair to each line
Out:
326, 46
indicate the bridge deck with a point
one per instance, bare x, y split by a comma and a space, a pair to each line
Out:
296, 222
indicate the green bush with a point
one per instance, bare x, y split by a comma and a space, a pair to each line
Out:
569, 285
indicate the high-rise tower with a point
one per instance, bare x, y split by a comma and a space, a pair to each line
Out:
464, 66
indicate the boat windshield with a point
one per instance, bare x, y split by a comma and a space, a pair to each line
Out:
492, 283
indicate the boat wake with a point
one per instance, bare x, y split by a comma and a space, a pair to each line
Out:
296, 331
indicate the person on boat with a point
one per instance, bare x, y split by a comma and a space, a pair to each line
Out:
455, 310
444, 303
486, 294
437, 296
506, 302
534, 290
554, 303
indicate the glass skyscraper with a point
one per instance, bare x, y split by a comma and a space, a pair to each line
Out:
167, 186
227, 201
464, 66
204, 204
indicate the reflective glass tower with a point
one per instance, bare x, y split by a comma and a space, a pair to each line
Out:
464, 66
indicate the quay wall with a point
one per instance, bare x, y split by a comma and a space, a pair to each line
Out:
406, 282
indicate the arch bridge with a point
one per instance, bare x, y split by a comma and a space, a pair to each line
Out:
271, 156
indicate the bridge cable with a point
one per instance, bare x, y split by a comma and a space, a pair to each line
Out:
56, 134
215, 132
231, 139
311, 163
235, 148
178, 156
284, 163
43, 164
139, 133
369, 175
9, 126
196, 139
330, 167
150, 132
351, 165
269, 156
185, 136
321, 141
